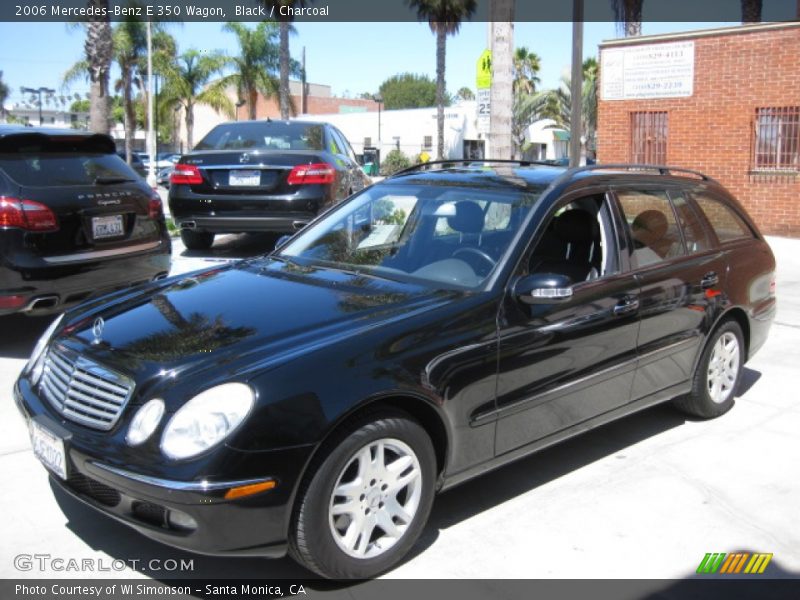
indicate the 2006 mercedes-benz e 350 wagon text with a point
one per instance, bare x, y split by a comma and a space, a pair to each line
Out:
445, 321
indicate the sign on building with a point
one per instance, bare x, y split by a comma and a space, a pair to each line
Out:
649, 71
483, 83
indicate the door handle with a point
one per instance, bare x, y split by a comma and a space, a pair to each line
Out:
626, 306
710, 279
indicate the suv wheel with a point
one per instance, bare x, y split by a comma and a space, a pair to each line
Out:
367, 500
197, 240
718, 374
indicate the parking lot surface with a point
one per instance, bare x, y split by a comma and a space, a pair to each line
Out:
645, 497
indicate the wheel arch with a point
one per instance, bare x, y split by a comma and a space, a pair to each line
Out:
738, 314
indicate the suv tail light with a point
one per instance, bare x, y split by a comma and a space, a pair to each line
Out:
155, 209
27, 215
186, 174
314, 173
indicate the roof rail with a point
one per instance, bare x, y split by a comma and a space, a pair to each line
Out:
467, 161
662, 169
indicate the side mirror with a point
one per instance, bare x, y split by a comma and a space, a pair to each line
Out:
543, 288
282, 240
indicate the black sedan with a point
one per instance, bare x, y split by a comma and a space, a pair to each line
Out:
440, 324
75, 221
261, 176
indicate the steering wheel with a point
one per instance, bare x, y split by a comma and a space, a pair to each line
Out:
479, 253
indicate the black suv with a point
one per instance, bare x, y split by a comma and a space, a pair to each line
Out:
261, 176
75, 221
439, 324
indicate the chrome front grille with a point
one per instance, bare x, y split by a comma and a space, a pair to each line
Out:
84, 391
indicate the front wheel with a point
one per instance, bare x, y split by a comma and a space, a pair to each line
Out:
718, 374
367, 500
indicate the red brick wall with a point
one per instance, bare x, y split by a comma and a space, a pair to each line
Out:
712, 131
317, 105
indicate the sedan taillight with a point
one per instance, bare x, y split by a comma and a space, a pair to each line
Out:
27, 215
187, 174
314, 173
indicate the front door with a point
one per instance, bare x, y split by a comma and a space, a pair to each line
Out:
562, 364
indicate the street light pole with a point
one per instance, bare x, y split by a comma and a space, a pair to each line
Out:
379, 99
26, 90
576, 82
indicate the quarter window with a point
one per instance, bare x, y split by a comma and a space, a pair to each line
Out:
695, 235
652, 224
726, 223
649, 138
777, 138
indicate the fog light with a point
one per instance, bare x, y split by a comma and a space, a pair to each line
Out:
180, 520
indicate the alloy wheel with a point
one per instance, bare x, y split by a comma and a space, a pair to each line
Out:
723, 367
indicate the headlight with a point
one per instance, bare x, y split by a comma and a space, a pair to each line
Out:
35, 365
206, 420
145, 421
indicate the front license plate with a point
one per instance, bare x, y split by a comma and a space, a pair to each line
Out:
105, 227
244, 178
49, 448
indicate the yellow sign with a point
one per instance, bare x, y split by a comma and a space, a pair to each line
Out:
483, 77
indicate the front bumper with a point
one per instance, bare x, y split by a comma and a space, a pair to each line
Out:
156, 506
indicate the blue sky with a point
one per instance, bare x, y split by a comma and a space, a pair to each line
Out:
351, 57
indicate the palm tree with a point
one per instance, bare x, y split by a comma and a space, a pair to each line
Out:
4, 91
526, 71
465, 94
255, 66
751, 11
130, 43
99, 49
628, 14
527, 109
187, 84
444, 18
502, 92
563, 97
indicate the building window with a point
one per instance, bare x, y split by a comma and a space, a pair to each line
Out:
777, 138
427, 142
649, 138
367, 142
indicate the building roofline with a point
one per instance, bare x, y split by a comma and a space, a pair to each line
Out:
700, 33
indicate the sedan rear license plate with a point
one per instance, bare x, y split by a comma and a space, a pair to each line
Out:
49, 448
106, 227
244, 178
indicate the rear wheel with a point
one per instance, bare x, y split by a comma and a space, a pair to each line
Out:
197, 240
367, 500
718, 374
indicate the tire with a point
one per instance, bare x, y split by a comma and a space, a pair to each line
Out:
718, 374
339, 536
197, 240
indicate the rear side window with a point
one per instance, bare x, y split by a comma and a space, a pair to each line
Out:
695, 234
266, 135
726, 223
652, 224
30, 167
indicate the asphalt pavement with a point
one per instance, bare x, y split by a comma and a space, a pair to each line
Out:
645, 497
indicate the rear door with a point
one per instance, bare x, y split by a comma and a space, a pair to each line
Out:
680, 272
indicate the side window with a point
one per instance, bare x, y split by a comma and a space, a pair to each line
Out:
651, 220
695, 235
334, 143
345, 146
726, 223
579, 241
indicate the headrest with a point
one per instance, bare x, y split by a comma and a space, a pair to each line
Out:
649, 226
468, 217
575, 226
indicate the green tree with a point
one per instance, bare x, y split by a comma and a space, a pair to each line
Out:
255, 65
465, 94
408, 90
527, 109
527, 65
563, 97
99, 50
4, 91
187, 84
395, 161
444, 18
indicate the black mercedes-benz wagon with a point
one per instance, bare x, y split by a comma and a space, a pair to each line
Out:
446, 321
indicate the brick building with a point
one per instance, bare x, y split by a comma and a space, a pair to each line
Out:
722, 101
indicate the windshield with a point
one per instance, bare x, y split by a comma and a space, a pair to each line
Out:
271, 135
444, 236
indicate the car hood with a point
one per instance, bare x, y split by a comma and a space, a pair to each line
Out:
262, 311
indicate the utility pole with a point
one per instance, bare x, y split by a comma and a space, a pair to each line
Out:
39, 91
576, 82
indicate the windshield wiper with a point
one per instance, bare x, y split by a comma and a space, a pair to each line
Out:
110, 180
